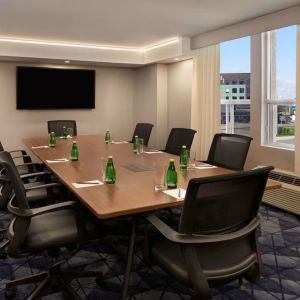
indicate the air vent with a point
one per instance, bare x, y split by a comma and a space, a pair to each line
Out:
288, 178
287, 197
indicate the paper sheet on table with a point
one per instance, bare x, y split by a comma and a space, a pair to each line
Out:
87, 184
205, 166
118, 143
39, 147
175, 193
153, 152
57, 160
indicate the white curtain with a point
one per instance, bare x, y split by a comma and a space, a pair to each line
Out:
205, 116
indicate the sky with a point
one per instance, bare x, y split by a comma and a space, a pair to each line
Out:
235, 58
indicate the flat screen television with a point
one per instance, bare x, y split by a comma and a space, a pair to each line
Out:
53, 88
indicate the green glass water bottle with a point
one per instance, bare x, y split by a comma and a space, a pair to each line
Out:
184, 158
110, 172
64, 133
52, 142
107, 137
74, 151
171, 175
136, 145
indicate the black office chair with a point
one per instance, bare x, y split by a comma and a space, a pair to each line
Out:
23, 162
56, 126
179, 137
143, 131
45, 228
229, 151
216, 240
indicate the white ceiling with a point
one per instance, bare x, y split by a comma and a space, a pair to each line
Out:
131, 23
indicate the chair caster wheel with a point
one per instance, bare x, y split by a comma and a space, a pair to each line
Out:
10, 293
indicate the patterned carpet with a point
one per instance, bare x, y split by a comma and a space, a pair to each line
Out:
279, 240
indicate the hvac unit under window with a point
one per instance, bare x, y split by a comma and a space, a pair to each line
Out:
287, 197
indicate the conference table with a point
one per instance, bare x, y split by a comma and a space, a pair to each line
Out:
132, 194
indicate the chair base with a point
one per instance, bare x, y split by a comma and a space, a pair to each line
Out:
54, 276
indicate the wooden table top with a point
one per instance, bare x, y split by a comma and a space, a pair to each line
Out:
133, 192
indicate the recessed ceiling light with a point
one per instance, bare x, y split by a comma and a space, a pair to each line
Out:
67, 61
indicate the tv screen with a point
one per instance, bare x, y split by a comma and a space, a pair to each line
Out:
50, 88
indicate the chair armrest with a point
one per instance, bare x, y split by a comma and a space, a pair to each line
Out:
43, 186
16, 151
177, 237
21, 156
28, 213
33, 174
29, 164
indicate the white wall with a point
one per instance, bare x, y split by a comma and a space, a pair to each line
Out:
114, 108
180, 94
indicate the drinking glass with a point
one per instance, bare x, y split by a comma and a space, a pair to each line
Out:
192, 159
70, 131
140, 146
102, 168
159, 177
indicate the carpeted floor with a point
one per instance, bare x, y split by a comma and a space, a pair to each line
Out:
279, 243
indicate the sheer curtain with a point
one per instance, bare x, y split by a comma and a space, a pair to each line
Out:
205, 115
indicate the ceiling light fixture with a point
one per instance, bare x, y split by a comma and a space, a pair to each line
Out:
88, 46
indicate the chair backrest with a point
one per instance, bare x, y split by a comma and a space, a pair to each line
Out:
229, 151
179, 137
143, 131
12, 173
223, 203
57, 125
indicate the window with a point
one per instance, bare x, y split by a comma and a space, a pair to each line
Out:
235, 72
279, 88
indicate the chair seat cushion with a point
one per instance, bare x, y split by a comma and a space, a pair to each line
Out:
216, 264
51, 230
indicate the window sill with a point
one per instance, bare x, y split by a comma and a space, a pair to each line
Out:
279, 147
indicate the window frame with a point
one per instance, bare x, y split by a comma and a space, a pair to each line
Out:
269, 103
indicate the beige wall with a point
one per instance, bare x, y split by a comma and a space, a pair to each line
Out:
163, 98
114, 108
180, 94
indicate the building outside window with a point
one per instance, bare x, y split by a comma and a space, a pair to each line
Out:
279, 87
235, 79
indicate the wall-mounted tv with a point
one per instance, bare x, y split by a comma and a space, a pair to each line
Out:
53, 88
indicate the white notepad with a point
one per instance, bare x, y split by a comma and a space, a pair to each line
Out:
175, 193
87, 183
153, 152
118, 143
39, 147
57, 160
205, 166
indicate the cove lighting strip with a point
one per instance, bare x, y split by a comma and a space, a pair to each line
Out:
88, 46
